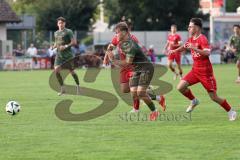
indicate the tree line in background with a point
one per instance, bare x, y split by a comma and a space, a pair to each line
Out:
144, 14
153, 14
79, 13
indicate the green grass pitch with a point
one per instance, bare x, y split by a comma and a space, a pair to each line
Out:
36, 133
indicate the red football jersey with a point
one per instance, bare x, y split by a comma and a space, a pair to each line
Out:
173, 39
115, 40
201, 63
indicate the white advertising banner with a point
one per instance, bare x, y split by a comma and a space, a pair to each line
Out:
16, 64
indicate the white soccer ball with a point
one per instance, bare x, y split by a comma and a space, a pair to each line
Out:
12, 107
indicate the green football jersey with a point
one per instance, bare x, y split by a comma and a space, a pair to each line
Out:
62, 38
235, 43
132, 50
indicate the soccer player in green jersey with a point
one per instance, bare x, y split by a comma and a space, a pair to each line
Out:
142, 68
64, 58
234, 44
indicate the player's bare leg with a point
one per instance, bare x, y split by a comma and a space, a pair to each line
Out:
183, 88
238, 67
171, 67
223, 102
125, 89
57, 70
180, 70
142, 94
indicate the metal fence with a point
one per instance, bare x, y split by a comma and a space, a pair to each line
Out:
41, 39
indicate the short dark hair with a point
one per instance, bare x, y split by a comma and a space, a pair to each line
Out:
174, 25
236, 25
61, 19
122, 26
128, 22
197, 22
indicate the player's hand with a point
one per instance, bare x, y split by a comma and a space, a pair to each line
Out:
62, 48
234, 50
52, 47
110, 47
170, 52
188, 45
164, 51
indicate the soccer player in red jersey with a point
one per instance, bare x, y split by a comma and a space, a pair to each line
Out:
173, 42
126, 74
202, 70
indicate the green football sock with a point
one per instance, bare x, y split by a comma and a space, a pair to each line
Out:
75, 77
152, 96
151, 106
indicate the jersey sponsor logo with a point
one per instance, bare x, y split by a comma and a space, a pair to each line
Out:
196, 54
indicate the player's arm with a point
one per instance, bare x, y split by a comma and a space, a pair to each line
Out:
204, 52
72, 42
108, 53
144, 49
54, 46
165, 47
123, 63
110, 57
231, 46
106, 59
179, 49
129, 52
176, 45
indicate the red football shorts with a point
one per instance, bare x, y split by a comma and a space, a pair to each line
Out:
125, 75
175, 57
208, 81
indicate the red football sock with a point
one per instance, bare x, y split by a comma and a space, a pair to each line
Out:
189, 94
136, 104
226, 106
